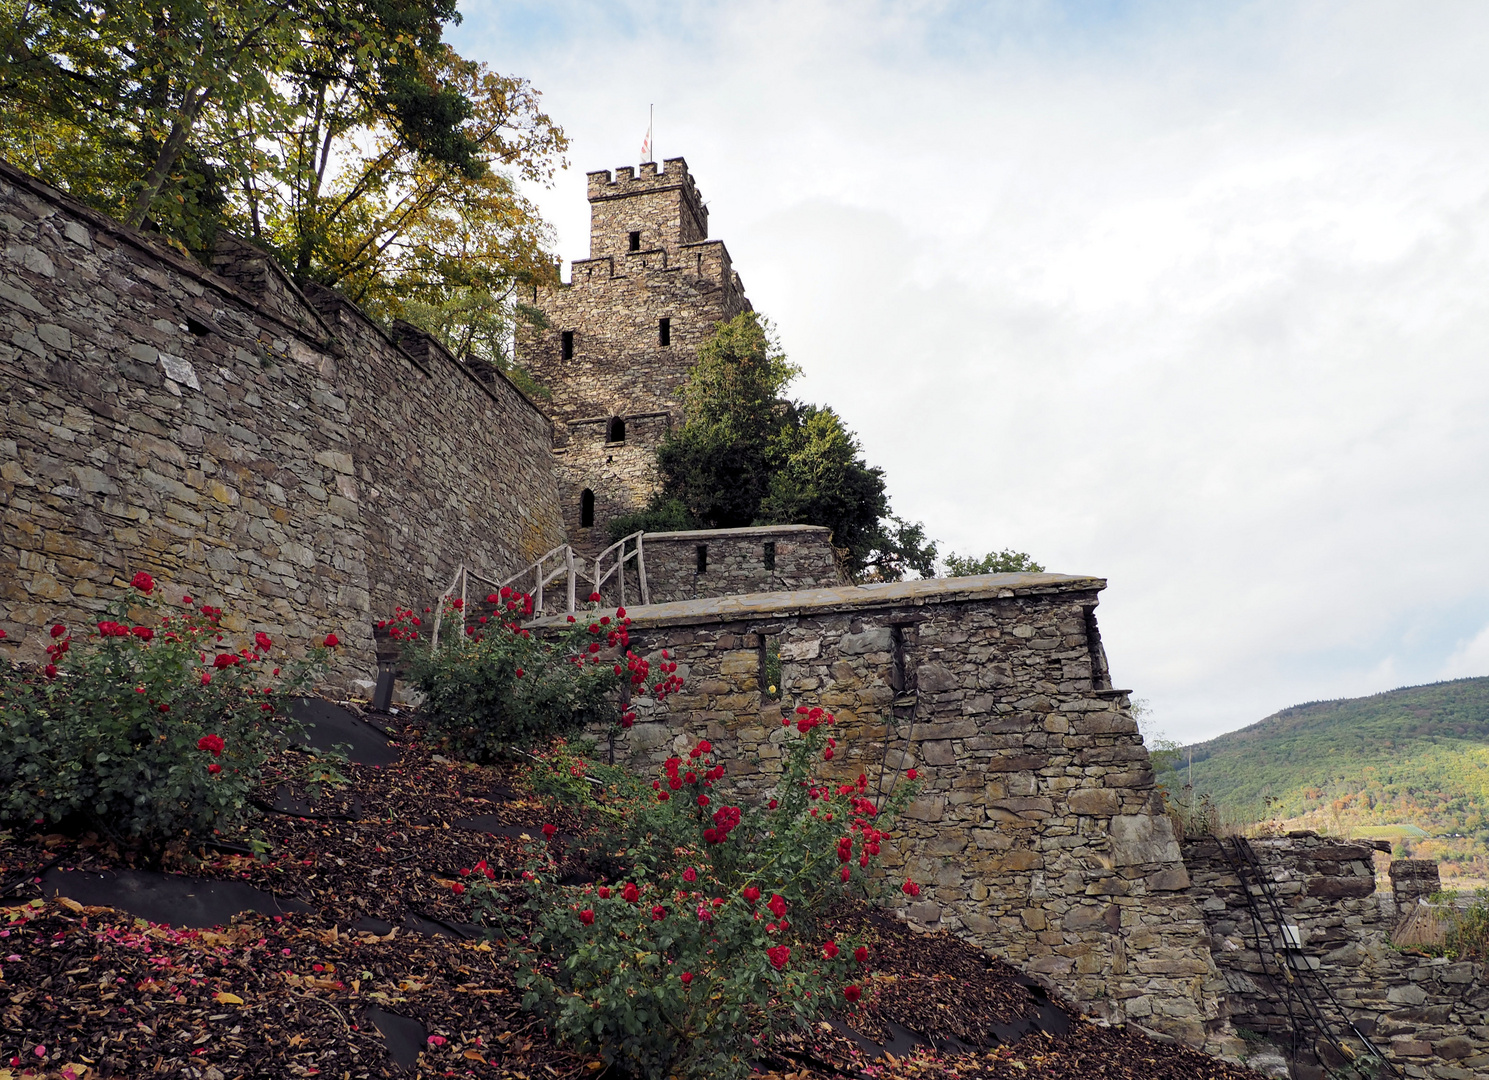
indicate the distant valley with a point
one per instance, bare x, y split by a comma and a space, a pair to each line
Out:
1410, 765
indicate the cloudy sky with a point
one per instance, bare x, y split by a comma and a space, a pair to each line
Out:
1189, 296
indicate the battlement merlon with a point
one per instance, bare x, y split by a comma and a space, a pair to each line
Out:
655, 208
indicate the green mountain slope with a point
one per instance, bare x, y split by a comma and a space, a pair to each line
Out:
1418, 756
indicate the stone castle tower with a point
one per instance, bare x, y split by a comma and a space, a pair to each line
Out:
623, 336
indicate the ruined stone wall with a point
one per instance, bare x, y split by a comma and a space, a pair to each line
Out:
213, 428
1426, 1014
620, 366
738, 561
1037, 834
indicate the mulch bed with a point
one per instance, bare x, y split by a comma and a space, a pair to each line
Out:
321, 993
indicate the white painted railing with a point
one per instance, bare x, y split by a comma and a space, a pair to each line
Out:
565, 563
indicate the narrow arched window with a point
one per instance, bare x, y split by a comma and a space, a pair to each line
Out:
586, 509
616, 431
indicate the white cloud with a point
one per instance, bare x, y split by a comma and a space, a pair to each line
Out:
1470, 659
1192, 298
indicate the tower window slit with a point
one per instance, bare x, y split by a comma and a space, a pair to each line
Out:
664, 332
702, 558
636, 240
586, 509
566, 345
770, 554
615, 431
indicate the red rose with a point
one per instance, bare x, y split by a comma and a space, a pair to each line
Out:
845, 873
630, 894
332, 641
548, 831
143, 582
457, 888
852, 993
702, 800
911, 774
827, 754
211, 743
658, 912
779, 956
751, 894
777, 905
587, 916
861, 954
773, 804
620, 613
262, 642
830, 950
909, 888
214, 768
58, 630
594, 597
604, 892
690, 875
663, 796
186, 600
686, 977
144, 633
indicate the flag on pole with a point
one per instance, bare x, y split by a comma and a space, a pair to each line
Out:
646, 142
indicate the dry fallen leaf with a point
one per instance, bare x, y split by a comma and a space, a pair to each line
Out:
222, 997
474, 1055
69, 904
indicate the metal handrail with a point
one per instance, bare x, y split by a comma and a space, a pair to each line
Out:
618, 570
571, 565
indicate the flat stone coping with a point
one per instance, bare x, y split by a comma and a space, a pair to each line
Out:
731, 534
893, 594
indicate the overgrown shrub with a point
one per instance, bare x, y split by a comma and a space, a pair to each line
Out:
491, 684
147, 727
1468, 933
714, 939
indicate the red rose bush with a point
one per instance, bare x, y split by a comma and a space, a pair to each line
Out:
151, 725
493, 683
713, 936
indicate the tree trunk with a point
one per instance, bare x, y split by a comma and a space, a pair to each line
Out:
170, 151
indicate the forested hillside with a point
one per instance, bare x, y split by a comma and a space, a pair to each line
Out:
1417, 756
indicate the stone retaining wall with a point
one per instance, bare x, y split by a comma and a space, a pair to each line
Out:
282, 459
1426, 1014
1037, 834
770, 558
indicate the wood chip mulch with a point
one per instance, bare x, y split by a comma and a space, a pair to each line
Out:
93, 992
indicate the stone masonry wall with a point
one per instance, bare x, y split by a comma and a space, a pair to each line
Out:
613, 310
215, 429
1428, 1015
1037, 834
736, 562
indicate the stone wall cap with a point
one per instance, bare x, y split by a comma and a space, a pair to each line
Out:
891, 594
742, 533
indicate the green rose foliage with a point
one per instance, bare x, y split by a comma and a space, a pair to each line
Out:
713, 939
148, 727
492, 684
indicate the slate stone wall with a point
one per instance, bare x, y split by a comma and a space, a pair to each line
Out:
1037, 834
289, 464
1426, 1014
801, 557
613, 309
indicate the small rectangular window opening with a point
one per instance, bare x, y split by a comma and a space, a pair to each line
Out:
664, 332
897, 652
586, 509
636, 241
702, 558
770, 554
566, 345
770, 668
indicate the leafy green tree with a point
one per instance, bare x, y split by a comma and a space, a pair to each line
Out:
1006, 561
747, 455
345, 136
